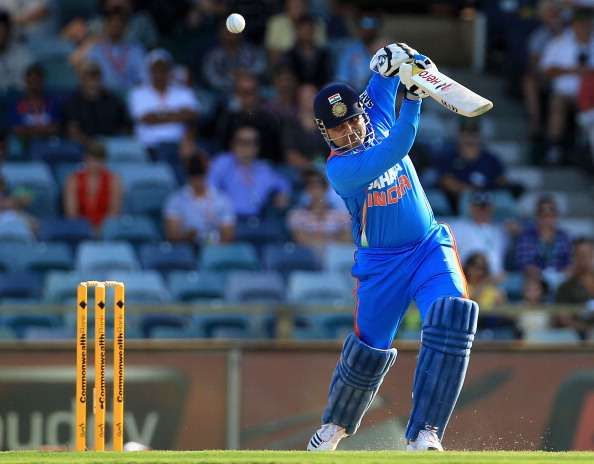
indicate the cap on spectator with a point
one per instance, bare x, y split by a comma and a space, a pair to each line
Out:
470, 125
481, 198
159, 55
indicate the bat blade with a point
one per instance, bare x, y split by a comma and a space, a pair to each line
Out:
451, 94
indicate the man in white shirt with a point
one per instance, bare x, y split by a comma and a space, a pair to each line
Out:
198, 212
480, 234
163, 111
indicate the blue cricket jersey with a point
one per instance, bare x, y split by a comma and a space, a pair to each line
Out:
379, 184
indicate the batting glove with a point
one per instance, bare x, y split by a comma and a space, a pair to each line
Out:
387, 60
413, 92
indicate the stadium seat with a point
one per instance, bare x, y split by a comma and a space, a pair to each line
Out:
62, 171
503, 202
196, 286
35, 178
254, 287
106, 256
562, 336
133, 229
578, 227
150, 322
21, 323
6, 334
71, 231
124, 149
142, 286
47, 256
52, 47
259, 232
20, 285
165, 332
339, 257
59, 75
332, 325
527, 203
60, 286
318, 288
56, 151
513, 285
439, 202
14, 228
530, 177
167, 256
289, 257
229, 257
224, 325
48, 334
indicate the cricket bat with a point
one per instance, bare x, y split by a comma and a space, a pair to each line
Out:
449, 93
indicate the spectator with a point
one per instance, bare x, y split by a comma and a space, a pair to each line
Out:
14, 58
317, 224
36, 115
579, 287
467, 166
281, 29
198, 212
480, 234
309, 62
245, 106
93, 192
122, 62
13, 205
535, 291
232, 54
93, 110
353, 62
284, 100
481, 286
543, 245
252, 185
301, 137
163, 111
32, 18
564, 59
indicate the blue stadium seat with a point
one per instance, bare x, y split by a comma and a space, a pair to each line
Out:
318, 288
21, 323
124, 149
289, 257
196, 286
142, 286
513, 286
56, 151
52, 47
133, 229
439, 202
563, 336
260, 232
71, 231
150, 322
15, 229
255, 287
106, 256
166, 256
60, 286
224, 325
47, 256
62, 171
48, 334
339, 257
20, 285
59, 75
165, 332
36, 178
229, 257
329, 325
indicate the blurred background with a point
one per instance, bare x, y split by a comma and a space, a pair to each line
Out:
140, 141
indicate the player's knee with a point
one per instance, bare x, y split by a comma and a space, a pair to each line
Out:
450, 324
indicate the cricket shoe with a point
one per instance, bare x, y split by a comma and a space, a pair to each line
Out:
427, 440
326, 438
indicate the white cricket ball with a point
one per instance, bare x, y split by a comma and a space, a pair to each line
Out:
235, 23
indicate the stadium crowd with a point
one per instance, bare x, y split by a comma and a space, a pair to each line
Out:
148, 126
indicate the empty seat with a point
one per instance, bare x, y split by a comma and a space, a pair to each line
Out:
72, 231
47, 256
578, 227
260, 231
36, 178
34, 333
167, 256
59, 75
142, 286
21, 323
125, 149
321, 288
334, 325
529, 176
562, 336
228, 257
60, 286
20, 285
166, 332
134, 229
56, 151
255, 287
195, 286
224, 325
14, 228
150, 322
290, 257
439, 202
106, 256
339, 257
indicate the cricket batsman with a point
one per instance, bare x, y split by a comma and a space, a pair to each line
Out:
402, 254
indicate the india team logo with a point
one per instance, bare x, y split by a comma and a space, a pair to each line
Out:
335, 98
339, 109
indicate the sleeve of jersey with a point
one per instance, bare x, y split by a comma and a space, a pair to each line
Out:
381, 103
349, 173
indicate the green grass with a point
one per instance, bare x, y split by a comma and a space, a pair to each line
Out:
293, 457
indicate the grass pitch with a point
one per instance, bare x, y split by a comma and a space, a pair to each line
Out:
293, 457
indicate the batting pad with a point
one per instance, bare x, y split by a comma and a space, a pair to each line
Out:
358, 375
447, 336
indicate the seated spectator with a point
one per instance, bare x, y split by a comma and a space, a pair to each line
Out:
579, 287
253, 186
480, 234
564, 59
122, 63
163, 111
543, 245
353, 61
467, 166
14, 58
481, 286
281, 29
245, 106
198, 212
317, 224
93, 110
309, 62
35, 115
13, 205
32, 18
301, 137
232, 54
283, 102
93, 193
535, 292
